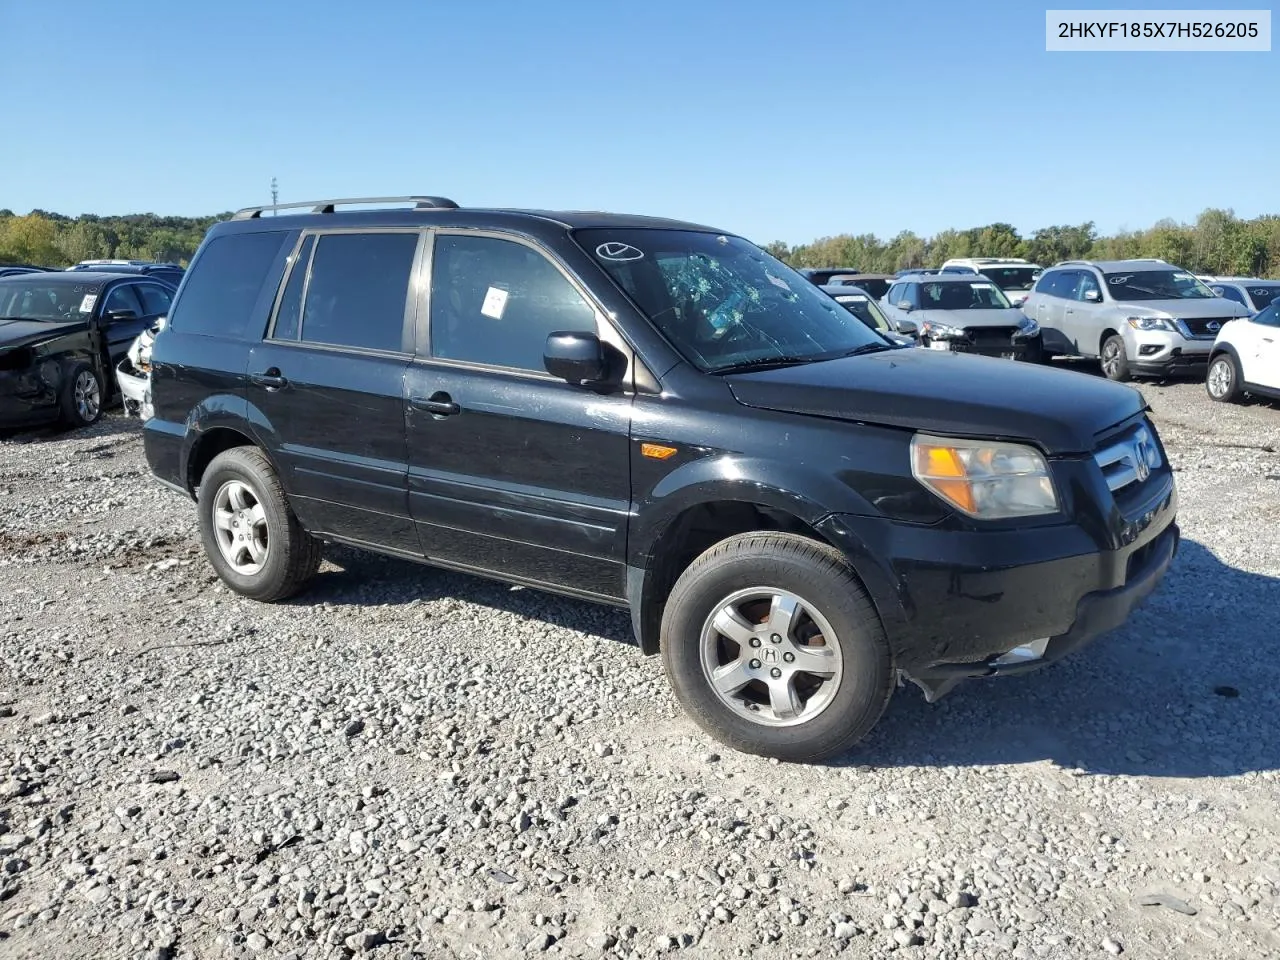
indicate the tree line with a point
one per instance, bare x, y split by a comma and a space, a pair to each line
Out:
1218, 242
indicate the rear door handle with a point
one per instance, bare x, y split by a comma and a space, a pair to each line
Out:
271, 379
438, 405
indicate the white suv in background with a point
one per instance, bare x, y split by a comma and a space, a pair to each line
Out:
1246, 358
1013, 275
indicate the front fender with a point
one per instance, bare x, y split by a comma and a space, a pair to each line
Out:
805, 493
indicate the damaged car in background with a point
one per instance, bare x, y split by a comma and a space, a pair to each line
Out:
61, 333
133, 374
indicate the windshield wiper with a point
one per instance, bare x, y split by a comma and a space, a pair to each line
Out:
872, 347
764, 363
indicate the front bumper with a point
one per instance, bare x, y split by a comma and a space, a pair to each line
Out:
1009, 348
1161, 352
1096, 614
954, 600
26, 401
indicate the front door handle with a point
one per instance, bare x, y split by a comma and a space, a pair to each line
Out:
438, 405
271, 379
1268, 340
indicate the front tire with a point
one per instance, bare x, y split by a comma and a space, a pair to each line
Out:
250, 534
1115, 359
1222, 381
82, 397
774, 648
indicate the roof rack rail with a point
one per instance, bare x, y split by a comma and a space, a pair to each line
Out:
327, 206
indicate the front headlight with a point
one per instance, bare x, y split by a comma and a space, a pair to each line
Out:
1152, 323
941, 331
984, 479
1028, 327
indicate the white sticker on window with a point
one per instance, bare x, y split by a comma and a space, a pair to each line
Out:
1118, 280
495, 302
618, 251
1183, 276
778, 282
980, 286
86, 305
853, 299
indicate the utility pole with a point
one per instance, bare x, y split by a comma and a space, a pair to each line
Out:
274, 194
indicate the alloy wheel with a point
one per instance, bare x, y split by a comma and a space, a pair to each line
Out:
240, 525
771, 657
88, 397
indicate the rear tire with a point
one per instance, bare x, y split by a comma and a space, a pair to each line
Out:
1115, 359
250, 534
1222, 381
82, 397
809, 673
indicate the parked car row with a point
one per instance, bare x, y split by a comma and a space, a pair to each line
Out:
1141, 317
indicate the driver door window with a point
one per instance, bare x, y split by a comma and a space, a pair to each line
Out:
494, 302
1086, 283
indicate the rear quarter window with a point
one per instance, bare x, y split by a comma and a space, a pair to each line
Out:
222, 295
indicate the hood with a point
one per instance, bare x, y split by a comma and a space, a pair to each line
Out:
1216, 308
969, 319
21, 333
1062, 411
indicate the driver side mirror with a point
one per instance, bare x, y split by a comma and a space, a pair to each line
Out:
908, 328
905, 306
575, 357
114, 316
1093, 296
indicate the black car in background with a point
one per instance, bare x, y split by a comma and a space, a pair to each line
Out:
62, 334
819, 276
876, 284
170, 273
13, 269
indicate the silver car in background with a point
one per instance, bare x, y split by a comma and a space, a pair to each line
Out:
962, 313
1138, 317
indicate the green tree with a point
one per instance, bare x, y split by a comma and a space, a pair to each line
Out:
29, 239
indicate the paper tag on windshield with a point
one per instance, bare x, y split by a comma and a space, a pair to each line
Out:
854, 299
495, 302
1183, 276
980, 286
86, 305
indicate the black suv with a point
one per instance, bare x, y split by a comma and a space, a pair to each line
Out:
663, 417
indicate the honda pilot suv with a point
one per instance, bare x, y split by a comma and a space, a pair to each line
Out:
662, 417
1138, 317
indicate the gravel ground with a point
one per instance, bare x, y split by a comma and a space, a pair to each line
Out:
407, 762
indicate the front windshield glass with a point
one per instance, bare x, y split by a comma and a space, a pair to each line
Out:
724, 302
1012, 278
965, 295
1156, 285
1263, 296
32, 300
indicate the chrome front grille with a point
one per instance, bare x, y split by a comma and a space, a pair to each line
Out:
1129, 459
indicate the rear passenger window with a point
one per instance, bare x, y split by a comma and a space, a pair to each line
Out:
495, 301
357, 291
224, 284
290, 311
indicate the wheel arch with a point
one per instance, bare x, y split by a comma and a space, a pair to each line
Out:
689, 533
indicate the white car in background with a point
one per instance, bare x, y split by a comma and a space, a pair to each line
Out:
1245, 358
133, 374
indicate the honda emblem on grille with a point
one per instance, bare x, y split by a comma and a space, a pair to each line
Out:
1141, 459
